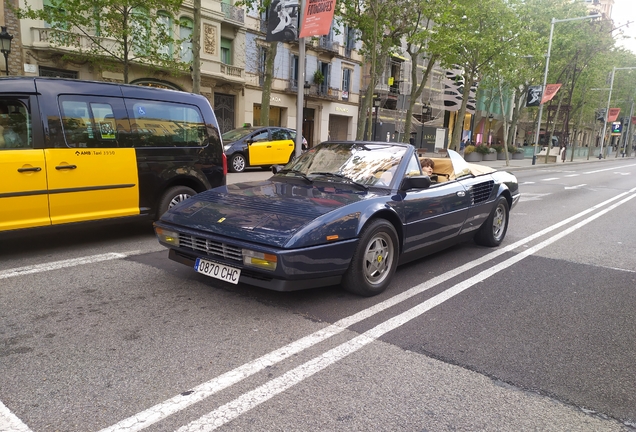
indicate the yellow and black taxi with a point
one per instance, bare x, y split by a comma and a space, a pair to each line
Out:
258, 146
77, 151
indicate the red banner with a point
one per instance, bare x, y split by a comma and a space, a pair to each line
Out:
317, 18
613, 114
550, 91
633, 120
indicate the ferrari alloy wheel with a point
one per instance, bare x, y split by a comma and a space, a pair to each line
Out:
172, 197
237, 163
374, 261
493, 231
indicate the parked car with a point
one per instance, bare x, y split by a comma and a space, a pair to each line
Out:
258, 146
76, 151
342, 213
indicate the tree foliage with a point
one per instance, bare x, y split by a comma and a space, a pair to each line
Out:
125, 32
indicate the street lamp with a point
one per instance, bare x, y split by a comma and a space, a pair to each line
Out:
609, 99
545, 76
5, 46
490, 117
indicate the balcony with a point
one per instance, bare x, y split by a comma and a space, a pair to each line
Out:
231, 70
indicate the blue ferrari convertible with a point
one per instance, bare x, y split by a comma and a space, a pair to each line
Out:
342, 213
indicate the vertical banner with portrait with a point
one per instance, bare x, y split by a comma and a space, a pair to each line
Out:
534, 96
282, 25
317, 17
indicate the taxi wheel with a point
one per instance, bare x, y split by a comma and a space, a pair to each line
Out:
374, 261
237, 163
172, 197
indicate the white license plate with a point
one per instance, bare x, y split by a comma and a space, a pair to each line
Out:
218, 271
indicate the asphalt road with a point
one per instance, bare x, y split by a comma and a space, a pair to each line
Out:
100, 331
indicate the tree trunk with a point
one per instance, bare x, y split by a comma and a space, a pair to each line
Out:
459, 122
418, 90
267, 83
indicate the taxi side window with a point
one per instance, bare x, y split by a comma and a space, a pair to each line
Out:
88, 124
15, 125
280, 135
260, 136
166, 124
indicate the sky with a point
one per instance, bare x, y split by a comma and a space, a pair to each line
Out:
625, 11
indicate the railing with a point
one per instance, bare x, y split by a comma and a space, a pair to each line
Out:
328, 44
233, 13
231, 70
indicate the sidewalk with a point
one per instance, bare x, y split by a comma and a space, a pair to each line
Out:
523, 164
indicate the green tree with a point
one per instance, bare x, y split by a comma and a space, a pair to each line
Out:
126, 32
481, 35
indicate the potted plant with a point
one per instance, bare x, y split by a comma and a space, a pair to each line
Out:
516, 152
486, 155
501, 155
319, 78
470, 155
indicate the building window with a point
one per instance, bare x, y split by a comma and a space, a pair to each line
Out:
185, 34
140, 30
293, 73
346, 83
226, 51
164, 29
275, 115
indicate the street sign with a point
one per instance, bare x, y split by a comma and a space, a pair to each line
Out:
617, 128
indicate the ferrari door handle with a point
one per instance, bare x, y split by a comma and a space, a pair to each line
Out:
31, 169
61, 167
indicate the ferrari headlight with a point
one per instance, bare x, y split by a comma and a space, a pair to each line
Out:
166, 236
258, 259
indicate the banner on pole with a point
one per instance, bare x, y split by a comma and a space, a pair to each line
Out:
534, 96
282, 25
633, 120
317, 18
613, 114
550, 91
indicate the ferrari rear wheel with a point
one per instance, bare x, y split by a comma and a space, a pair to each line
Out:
374, 261
493, 231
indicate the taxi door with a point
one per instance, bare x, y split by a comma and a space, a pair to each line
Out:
23, 190
260, 148
93, 177
284, 145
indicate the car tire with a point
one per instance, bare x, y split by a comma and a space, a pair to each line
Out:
172, 197
374, 260
237, 163
493, 231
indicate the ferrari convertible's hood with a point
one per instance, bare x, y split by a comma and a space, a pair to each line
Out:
267, 212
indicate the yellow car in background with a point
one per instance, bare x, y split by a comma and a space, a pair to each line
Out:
258, 146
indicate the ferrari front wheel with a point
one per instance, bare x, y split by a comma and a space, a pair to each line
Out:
493, 231
374, 260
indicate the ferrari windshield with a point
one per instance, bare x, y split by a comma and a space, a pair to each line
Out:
363, 163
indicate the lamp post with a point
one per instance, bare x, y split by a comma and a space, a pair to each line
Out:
545, 76
490, 117
5, 46
609, 100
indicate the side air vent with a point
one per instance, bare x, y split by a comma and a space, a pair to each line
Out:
481, 191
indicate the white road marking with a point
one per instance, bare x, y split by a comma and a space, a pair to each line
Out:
179, 402
527, 183
572, 175
55, 265
525, 197
575, 187
550, 179
609, 169
9, 422
249, 400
